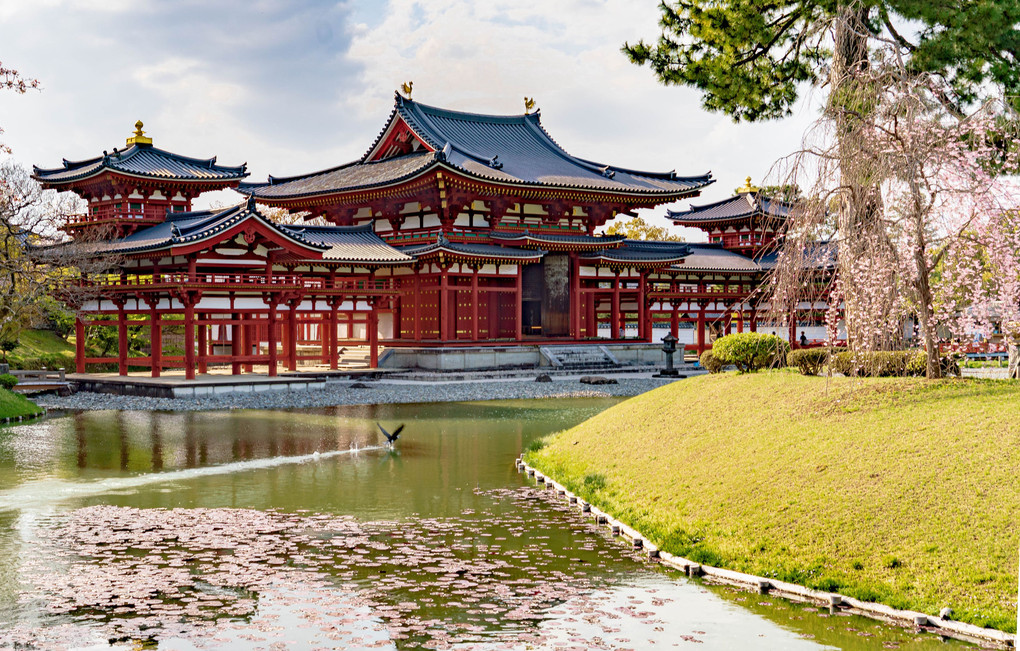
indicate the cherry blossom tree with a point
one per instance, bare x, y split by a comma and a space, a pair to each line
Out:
941, 242
11, 79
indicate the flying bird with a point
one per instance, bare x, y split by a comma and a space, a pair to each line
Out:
391, 438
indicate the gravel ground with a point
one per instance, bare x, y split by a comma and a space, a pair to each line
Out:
379, 392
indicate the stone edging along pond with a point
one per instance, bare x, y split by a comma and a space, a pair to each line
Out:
986, 637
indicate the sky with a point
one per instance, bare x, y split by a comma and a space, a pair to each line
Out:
293, 86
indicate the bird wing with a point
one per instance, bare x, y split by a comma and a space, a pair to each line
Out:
397, 431
385, 433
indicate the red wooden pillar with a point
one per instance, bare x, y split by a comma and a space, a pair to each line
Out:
122, 340
249, 341
373, 335
701, 329
593, 319
614, 311
417, 303
519, 302
444, 302
156, 335
292, 335
644, 327
474, 304
324, 338
674, 319
79, 344
754, 319
189, 339
575, 297
334, 305
272, 338
203, 343
235, 344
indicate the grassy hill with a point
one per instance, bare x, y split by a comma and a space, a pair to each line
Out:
38, 348
901, 491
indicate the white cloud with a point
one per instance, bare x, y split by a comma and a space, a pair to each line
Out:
291, 87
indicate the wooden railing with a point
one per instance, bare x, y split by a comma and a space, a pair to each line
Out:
243, 280
104, 214
735, 241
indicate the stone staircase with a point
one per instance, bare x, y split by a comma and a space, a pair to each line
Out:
589, 357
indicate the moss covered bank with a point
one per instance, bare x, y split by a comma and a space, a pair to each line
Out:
901, 491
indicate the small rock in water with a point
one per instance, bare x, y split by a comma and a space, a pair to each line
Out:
543, 378
597, 379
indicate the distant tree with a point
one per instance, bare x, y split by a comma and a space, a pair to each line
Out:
11, 79
789, 193
636, 228
36, 260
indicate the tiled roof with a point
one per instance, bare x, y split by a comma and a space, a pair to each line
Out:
144, 161
712, 257
641, 252
507, 149
352, 176
740, 206
821, 254
552, 238
336, 243
471, 250
349, 243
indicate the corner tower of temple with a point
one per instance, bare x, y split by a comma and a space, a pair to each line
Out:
135, 186
747, 223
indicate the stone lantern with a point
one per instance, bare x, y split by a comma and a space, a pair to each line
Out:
669, 347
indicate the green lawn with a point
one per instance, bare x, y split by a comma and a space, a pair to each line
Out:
901, 491
13, 405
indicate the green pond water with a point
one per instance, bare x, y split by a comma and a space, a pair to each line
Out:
298, 529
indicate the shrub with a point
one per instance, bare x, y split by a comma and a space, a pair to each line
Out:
7, 346
710, 362
8, 381
809, 361
917, 365
751, 351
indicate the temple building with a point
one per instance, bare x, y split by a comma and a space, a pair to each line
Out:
453, 230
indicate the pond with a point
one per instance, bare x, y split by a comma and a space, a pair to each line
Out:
298, 529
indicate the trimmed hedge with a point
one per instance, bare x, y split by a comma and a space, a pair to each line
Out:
8, 381
892, 363
710, 362
751, 351
811, 361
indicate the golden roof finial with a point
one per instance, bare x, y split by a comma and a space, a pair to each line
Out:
406, 88
529, 104
747, 187
139, 138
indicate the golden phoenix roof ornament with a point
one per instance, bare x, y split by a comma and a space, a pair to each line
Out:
529, 104
406, 88
139, 138
747, 187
